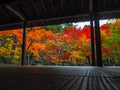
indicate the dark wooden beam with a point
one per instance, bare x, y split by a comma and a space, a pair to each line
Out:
92, 42
71, 7
97, 33
62, 5
53, 7
44, 8
98, 41
16, 12
4, 13
34, 6
24, 44
92, 32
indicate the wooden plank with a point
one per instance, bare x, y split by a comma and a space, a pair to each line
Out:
58, 77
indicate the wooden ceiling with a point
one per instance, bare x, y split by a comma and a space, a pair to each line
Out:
48, 12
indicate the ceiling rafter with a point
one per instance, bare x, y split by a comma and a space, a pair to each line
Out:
71, 4
62, 5
25, 10
30, 10
5, 13
53, 7
43, 5
16, 12
33, 4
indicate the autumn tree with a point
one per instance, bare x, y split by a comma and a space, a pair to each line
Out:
111, 44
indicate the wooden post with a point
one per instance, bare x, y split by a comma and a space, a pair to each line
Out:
92, 32
97, 33
98, 41
24, 44
92, 42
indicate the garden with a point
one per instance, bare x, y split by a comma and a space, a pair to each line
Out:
62, 44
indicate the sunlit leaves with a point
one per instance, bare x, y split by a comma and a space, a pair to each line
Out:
110, 42
70, 45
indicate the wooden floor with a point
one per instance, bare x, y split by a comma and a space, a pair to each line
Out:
59, 78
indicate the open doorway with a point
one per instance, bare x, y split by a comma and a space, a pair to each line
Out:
63, 44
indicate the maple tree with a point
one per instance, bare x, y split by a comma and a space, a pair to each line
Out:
111, 44
70, 46
9, 47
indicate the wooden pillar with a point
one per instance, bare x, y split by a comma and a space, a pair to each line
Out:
24, 44
92, 31
97, 33
98, 41
92, 42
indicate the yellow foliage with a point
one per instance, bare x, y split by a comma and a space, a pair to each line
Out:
54, 61
73, 61
75, 54
16, 57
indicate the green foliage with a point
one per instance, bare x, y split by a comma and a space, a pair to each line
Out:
66, 46
59, 27
112, 43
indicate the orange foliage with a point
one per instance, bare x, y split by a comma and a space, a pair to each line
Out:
5, 33
18, 34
